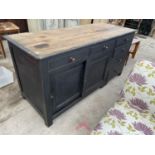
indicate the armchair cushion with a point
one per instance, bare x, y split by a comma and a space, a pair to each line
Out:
123, 119
139, 88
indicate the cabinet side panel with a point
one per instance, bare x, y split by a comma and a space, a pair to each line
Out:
27, 71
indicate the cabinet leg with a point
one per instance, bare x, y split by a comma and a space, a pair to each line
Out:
103, 84
48, 117
127, 59
49, 122
119, 73
22, 94
23, 97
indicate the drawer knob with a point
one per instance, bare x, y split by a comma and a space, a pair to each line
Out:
106, 47
72, 59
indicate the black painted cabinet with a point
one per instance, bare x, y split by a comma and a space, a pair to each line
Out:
55, 83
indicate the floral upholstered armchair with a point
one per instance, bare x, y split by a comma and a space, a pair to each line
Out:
134, 113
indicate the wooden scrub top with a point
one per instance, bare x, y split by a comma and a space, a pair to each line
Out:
47, 43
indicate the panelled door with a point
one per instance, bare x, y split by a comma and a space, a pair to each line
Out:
66, 85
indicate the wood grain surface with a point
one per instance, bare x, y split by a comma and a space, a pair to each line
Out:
51, 42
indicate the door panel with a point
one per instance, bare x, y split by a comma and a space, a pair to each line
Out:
95, 74
66, 84
114, 68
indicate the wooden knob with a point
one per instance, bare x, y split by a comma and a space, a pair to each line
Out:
72, 59
106, 47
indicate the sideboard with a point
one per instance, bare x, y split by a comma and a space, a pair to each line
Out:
57, 68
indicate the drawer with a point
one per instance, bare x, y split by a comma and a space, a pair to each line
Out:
104, 49
122, 50
124, 39
68, 58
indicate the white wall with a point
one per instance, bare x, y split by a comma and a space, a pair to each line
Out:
35, 25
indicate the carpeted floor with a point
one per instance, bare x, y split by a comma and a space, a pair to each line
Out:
18, 117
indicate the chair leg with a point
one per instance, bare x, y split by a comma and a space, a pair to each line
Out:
3, 51
135, 50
